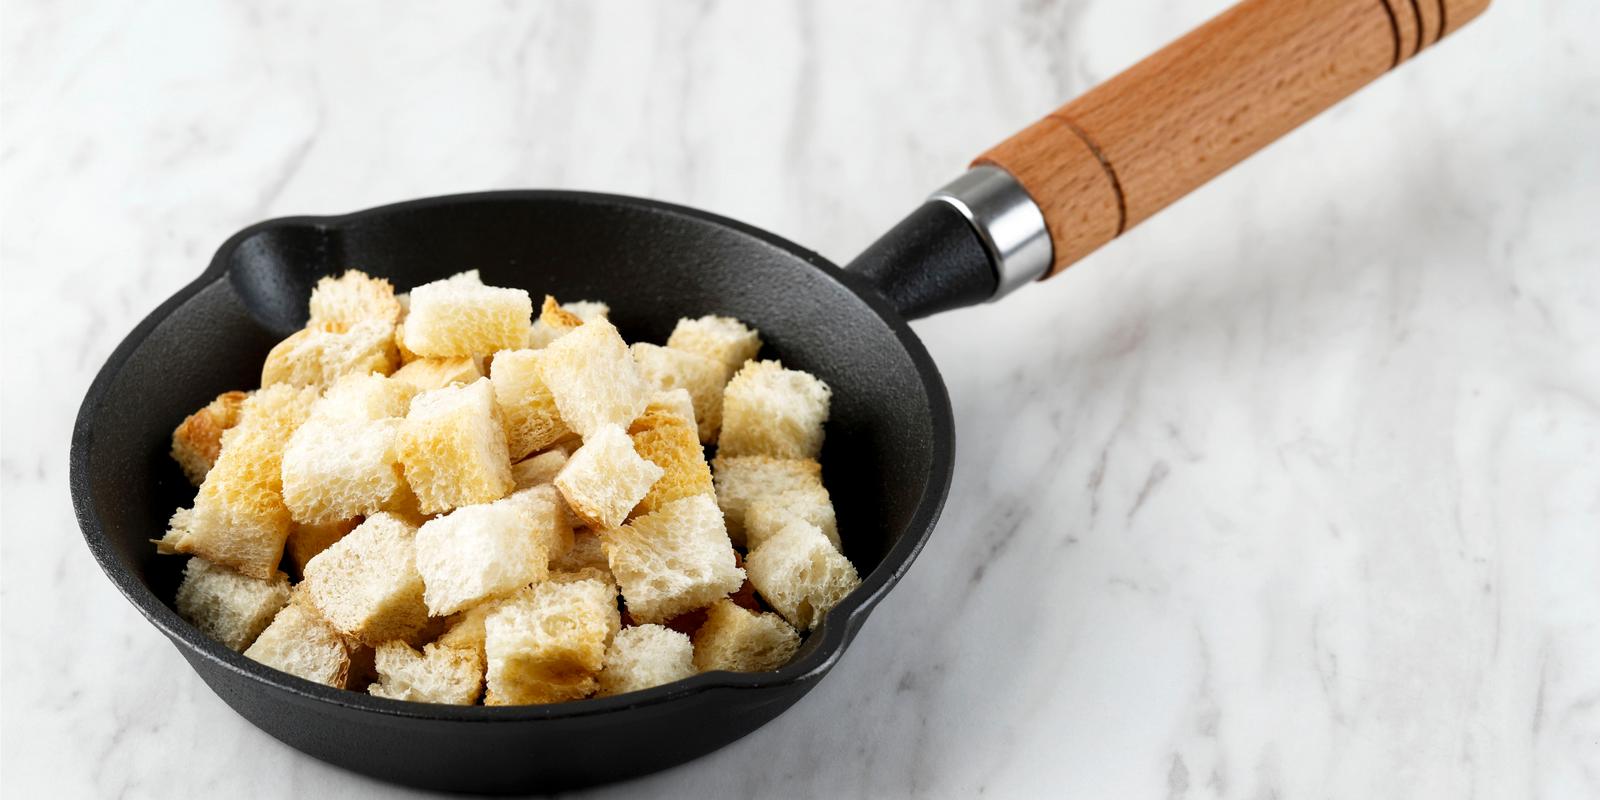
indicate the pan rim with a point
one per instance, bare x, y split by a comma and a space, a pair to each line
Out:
832, 637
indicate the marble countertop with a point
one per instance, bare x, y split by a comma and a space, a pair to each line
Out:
1292, 492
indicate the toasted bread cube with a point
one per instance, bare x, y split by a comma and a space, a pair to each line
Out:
227, 606
466, 631
586, 553
239, 519
548, 644
427, 374
771, 411
606, 478
723, 339
435, 675
556, 321
532, 420
800, 574
453, 448
742, 480
479, 552
198, 440
674, 560
593, 378
668, 368
367, 585
343, 461
406, 355
767, 515
303, 645
644, 656
671, 443
549, 515
351, 298
676, 402
459, 317
587, 310
319, 355
307, 541
539, 470
740, 640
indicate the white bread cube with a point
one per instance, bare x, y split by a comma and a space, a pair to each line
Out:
319, 355
239, 519
459, 317
307, 541
548, 644
587, 553
606, 478
769, 514
539, 470
771, 411
427, 374
227, 606
739, 640
197, 442
366, 585
644, 656
351, 298
593, 378
453, 448
303, 645
676, 402
587, 310
532, 420
671, 443
435, 675
723, 339
675, 560
556, 320
479, 552
344, 461
703, 378
800, 574
549, 515
742, 480
406, 356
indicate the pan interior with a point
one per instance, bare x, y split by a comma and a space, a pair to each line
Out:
651, 262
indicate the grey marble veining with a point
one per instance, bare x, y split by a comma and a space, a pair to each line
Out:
1292, 492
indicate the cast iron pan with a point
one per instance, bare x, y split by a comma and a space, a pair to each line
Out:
890, 441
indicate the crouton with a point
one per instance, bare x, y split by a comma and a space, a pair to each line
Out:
453, 447
675, 402
606, 478
548, 644
307, 541
645, 656
239, 519
674, 560
319, 355
301, 644
800, 574
740, 640
532, 420
741, 480
227, 606
723, 339
460, 316
549, 516
366, 585
426, 374
593, 378
343, 462
197, 442
478, 552
435, 675
771, 411
767, 515
671, 443
351, 298
703, 378
586, 553
538, 470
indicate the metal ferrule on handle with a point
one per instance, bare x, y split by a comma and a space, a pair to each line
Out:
1007, 220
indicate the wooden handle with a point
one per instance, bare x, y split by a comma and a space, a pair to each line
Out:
1106, 161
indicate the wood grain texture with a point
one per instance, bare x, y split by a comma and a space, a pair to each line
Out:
1135, 144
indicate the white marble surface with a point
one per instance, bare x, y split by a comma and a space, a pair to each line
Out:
1294, 492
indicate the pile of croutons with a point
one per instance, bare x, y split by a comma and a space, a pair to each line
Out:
440, 498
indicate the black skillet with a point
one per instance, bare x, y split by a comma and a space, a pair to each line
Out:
1092, 169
